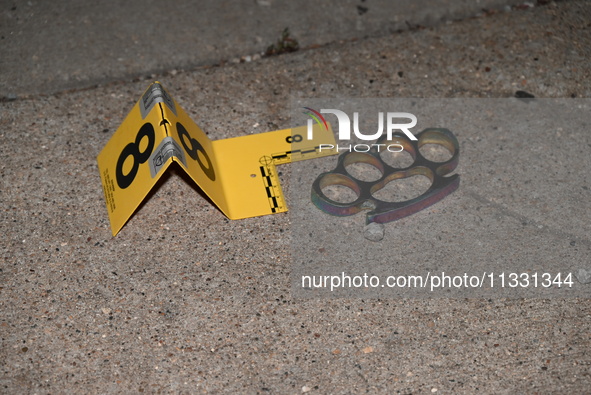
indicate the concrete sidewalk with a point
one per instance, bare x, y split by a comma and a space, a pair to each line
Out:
68, 44
184, 300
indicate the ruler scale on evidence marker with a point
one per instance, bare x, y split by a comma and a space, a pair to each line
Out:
158, 132
243, 158
272, 185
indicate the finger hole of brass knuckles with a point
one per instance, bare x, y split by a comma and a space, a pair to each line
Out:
382, 211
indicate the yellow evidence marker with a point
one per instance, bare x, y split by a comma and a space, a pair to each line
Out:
237, 174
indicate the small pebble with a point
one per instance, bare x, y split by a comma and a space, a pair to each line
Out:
305, 389
584, 276
374, 231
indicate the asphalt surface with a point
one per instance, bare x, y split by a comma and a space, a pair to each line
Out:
183, 300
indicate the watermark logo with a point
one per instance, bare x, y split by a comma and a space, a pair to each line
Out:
316, 116
344, 122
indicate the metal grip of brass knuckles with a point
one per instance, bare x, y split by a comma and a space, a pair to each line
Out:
381, 211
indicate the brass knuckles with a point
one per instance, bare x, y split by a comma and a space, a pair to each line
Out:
381, 211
